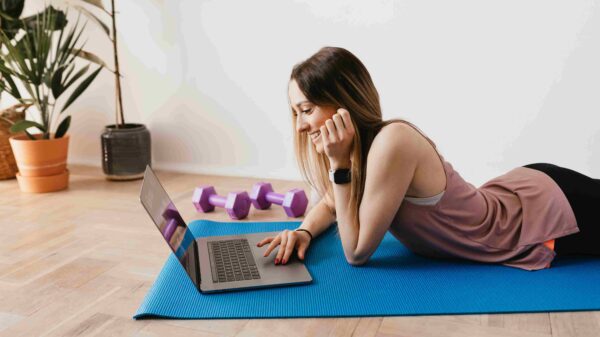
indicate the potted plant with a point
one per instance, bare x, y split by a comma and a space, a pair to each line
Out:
10, 11
126, 147
44, 65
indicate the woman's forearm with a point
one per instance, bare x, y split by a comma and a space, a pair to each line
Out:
318, 219
348, 232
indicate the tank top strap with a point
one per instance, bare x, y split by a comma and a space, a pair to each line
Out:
423, 134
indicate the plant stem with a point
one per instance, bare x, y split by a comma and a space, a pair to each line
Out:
117, 72
39, 104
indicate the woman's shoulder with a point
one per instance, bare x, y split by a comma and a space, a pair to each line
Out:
397, 134
396, 140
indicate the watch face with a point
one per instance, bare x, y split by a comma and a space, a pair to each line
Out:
341, 176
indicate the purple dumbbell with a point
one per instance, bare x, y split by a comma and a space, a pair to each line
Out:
294, 202
172, 213
237, 204
170, 229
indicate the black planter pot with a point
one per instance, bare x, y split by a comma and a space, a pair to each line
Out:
126, 151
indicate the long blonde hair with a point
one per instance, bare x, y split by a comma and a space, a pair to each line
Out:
334, 77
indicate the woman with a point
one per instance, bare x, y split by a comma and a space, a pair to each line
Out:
398, 182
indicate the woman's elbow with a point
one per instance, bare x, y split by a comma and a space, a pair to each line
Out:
354, 261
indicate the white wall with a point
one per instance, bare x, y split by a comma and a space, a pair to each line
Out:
496, 84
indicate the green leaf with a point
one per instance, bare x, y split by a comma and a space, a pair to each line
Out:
48, 75
90, 57
44, 42
63, 49
29, 101
30, 135
5, 16
24, 125
16, 56
7, 74
59, 19
14, 8
9, 16
14, 89
56, 84
14, 92
63, 127
97, 3
69, 71
69, 55
94, 18
77, 75
81, 88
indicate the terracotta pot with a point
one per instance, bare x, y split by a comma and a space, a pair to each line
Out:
44, 184
45, 159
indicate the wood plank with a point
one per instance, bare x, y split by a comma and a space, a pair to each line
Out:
89, 327
289, 327
533, 322
575, 324
77, 272
58, 257
8, 319
60, 312
224, 327
160, 329
367, 326
425, 326
120, 326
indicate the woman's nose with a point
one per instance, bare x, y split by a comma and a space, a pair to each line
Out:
301, 124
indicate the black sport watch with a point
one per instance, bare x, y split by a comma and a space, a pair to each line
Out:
339, 176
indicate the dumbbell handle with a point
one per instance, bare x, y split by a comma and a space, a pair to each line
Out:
217, 200
170, 229
276, 198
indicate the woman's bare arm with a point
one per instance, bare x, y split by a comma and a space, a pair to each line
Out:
319, 218
390, 167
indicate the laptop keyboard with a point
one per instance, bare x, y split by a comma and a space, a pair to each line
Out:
232, 260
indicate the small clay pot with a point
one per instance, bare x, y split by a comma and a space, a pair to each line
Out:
43, 184
42, 163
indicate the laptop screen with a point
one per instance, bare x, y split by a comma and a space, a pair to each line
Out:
170, 224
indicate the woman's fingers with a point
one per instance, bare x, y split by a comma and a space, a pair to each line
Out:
274, 243
264, 241
331, 130
302, 249
345, 115
289, 248
282, 247
339, 125
286, 241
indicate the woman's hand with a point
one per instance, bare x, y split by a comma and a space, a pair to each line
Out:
289, 240
338, 136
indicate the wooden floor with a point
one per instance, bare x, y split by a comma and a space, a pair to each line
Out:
79, 262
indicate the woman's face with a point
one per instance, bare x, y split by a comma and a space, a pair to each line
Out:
309, 117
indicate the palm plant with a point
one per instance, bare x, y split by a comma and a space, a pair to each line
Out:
87, 8
44, 65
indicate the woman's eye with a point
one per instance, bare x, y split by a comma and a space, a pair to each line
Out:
306, 111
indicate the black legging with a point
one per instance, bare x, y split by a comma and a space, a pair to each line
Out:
583, 194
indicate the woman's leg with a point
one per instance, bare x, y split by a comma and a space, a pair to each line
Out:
583, 194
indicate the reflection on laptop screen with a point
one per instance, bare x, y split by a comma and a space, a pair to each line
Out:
169, 222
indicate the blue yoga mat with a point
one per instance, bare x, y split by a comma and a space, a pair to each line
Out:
394, 282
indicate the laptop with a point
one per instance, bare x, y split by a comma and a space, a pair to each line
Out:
217, 263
